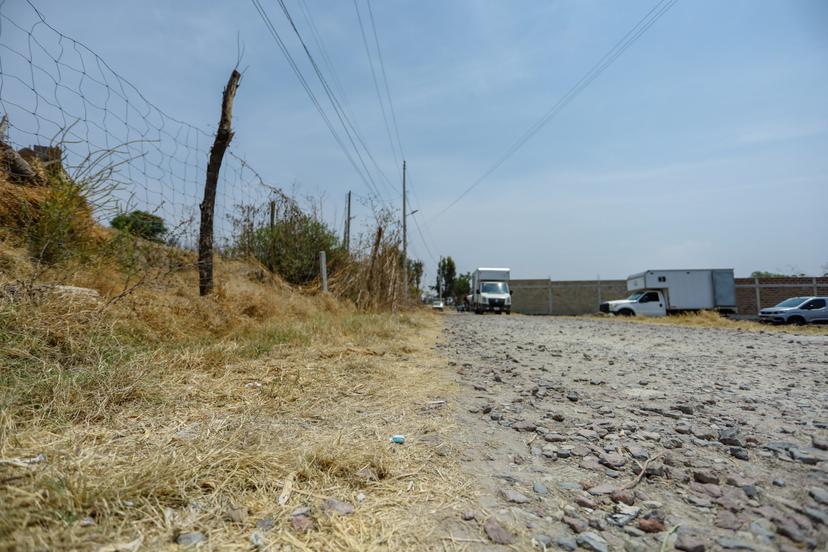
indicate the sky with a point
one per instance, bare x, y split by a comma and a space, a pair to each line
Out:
704, 145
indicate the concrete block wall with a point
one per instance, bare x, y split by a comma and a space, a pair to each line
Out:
570, 297
573, 297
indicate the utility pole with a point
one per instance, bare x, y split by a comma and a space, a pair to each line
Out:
347, 239
405, 238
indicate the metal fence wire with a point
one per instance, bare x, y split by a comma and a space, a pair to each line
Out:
56, 91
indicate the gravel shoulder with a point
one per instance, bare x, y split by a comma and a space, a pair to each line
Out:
558, 418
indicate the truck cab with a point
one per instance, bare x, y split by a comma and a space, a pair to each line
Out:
647, 302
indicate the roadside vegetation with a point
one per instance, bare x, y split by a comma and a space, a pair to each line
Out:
134, 413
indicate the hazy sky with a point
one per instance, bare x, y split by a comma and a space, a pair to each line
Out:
704, 145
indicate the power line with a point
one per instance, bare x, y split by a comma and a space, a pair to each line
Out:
657, 11
295, 68
338, 109
385, 78
376, 83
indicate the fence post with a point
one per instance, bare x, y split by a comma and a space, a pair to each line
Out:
323, 269
208, 204
758, 295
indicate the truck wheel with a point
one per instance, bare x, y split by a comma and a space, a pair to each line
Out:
796, 321
626, 312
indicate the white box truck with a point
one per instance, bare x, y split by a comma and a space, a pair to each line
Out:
490, 291
662, 292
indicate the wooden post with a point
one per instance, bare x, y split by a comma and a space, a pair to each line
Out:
223, 137
323, 270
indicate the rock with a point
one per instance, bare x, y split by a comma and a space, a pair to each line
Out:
624, 514
257, 539
820, 495
672, 442
190, 538
651, 525
705, 476
335, 506
819, 442
496, 533
543, 540
523, 426
815, 515
637, 452
729, 543
554, 437
540, 488
550, 451
778, 482
613, 460
577, 525
467, 515
627, 497
726, 520
514, 496
740, 453
730, 436
265, 524
237, 514
585, 502
603, 489
704, 433
302, 523
803, 456
592, 541
683, 408
689, 543
650, 435
763, 527
565, 542
573, 396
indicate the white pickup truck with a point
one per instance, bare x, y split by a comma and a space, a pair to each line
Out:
662, 292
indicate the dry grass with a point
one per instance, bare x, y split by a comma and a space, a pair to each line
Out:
709, 319
165, 413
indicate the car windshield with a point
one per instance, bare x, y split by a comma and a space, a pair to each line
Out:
495, 287
792, 302
635, 296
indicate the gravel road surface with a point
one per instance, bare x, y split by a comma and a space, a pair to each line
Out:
560, 416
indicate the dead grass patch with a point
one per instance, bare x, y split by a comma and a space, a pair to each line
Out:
166, 413
709, 319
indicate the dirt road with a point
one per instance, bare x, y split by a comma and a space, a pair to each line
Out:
559, 415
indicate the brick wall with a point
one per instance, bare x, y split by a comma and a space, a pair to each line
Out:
583, 296
772, 291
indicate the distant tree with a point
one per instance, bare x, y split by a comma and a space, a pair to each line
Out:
415, 273
461, 287
446, 273
765, 274
142, 224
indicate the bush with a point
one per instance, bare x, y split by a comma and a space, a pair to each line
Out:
291, 248
142, 224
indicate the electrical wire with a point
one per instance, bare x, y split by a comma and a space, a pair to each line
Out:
649, 19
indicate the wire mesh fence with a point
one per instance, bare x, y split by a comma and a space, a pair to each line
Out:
60, 98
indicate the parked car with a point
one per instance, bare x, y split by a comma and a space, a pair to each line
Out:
437, 304
797, 310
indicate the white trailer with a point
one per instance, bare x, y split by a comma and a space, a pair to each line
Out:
490, 291
661, 292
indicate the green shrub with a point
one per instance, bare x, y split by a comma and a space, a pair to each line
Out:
142, 224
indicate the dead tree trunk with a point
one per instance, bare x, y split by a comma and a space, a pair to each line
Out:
208, 204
